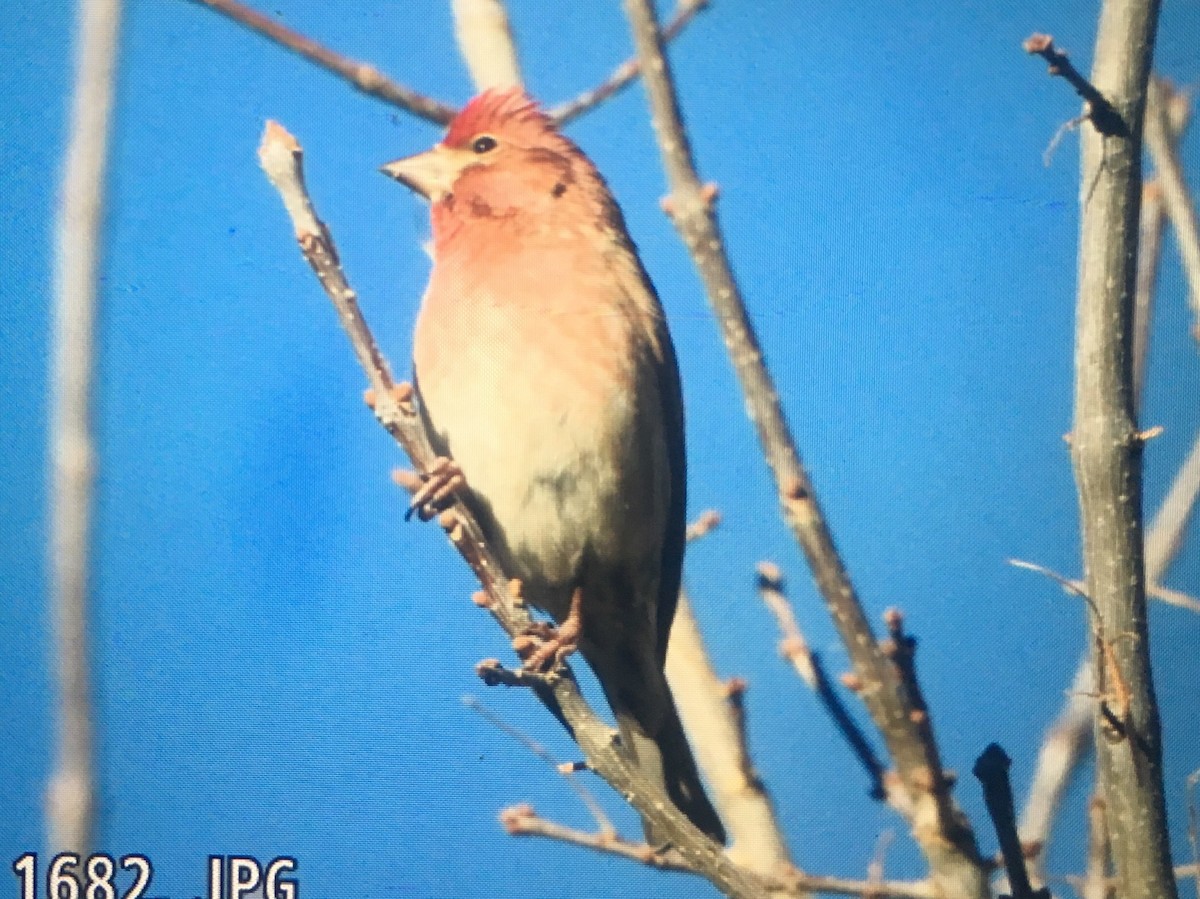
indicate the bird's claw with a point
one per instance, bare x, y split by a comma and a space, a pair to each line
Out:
556, 642
436, 489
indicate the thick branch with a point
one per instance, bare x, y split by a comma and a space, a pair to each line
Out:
1106, 451
363, 76
70, 796
949, 845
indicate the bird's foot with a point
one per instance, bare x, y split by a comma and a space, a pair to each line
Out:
433, 491
557, 642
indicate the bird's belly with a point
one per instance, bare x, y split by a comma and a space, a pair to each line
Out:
545, 443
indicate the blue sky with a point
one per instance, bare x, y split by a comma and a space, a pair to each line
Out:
280, 659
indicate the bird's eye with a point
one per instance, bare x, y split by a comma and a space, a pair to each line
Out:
483, 144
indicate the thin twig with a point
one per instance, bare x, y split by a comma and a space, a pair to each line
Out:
280, 156
1097, 109
951, 849
362, 76
811, 670
1106, 451
585, 795
70, 795
875, 868
627, 72
523, 821
1176, 198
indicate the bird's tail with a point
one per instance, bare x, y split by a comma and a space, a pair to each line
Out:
666, 756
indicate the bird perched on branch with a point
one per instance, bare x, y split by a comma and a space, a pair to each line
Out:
547, 378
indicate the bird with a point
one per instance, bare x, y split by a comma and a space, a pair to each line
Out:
548, 384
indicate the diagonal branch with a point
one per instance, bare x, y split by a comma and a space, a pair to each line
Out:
794, 647
948, 844
627, 72
1162, 141
363, 76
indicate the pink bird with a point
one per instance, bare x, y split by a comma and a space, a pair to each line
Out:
546, 373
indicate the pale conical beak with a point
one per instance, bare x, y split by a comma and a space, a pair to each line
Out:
431, 174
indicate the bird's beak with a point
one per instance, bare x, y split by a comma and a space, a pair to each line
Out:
431, 174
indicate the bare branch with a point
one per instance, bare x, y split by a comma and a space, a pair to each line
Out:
485, 40
70, 793
362, 76
1096, 107
1162, 141
811, 670
718, 739
280, 156
522, 820
1171, 521
952, 851
991, 768
627, 72
585, 795
1106, 449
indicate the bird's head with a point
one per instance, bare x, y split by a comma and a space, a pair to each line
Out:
501, 157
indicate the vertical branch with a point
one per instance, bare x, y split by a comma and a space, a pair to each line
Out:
947, 841
1106, 452
70, 794
485, 40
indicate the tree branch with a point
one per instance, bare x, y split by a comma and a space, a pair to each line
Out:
71, 792
811, 670
991, 768
627, 72
1162, 137
362, 76
1106, 450
718, 739
485, 40
948, 844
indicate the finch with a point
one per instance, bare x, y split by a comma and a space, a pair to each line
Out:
545, 372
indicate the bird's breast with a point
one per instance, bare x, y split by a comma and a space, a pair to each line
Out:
532, 380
